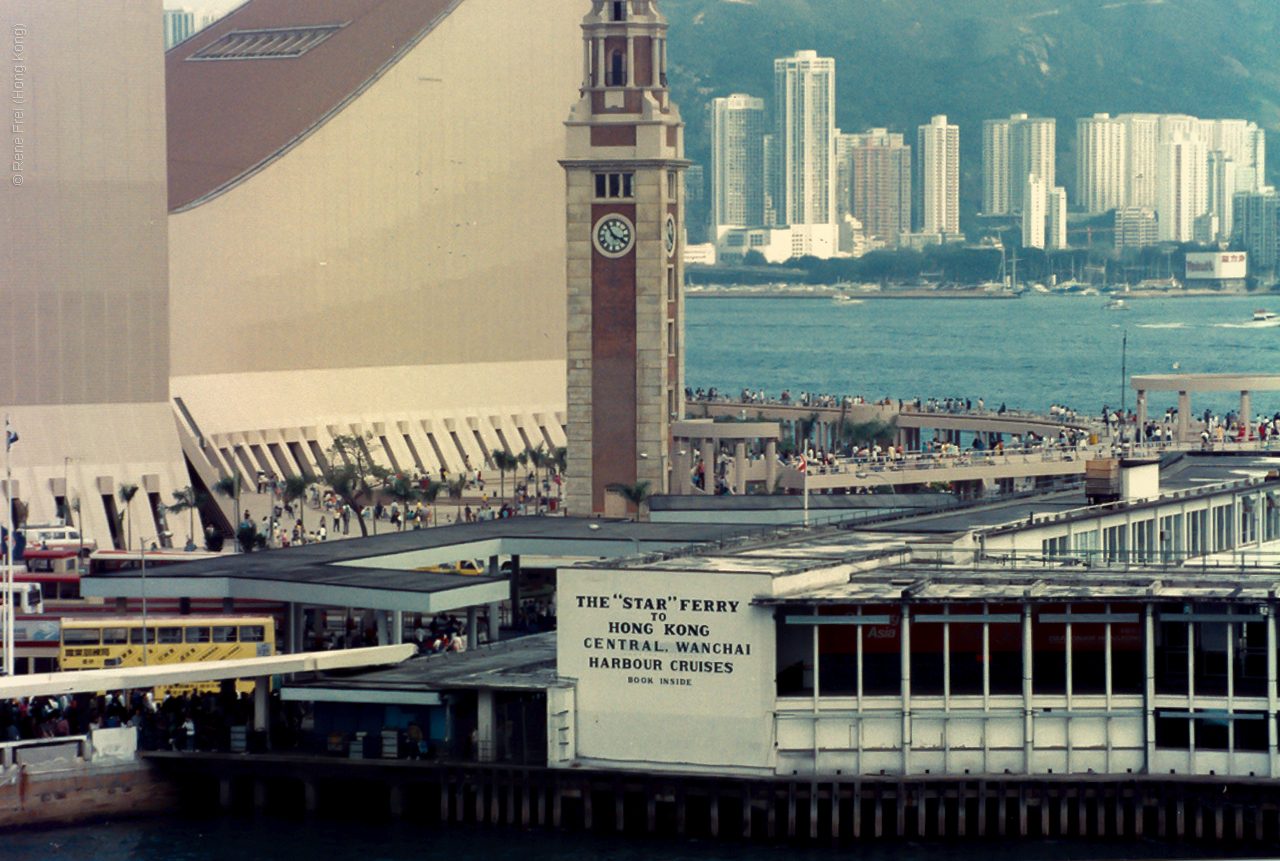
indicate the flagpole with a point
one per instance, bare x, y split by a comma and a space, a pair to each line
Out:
804, 468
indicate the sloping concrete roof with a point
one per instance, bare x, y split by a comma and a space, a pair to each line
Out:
229, 118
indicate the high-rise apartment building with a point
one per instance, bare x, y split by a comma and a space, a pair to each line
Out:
1136, 227
1181, 166
995, 167
1181, 186
1035, 198
1256, 220
1055, 230
804, 139
879, 166
1100, 163
1012, 150
938, 177
1223, 179
1141, 149
179, 24
738, 127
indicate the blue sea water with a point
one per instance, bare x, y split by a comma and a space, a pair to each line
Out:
1028, 353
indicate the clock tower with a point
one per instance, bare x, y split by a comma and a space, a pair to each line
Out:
624, 167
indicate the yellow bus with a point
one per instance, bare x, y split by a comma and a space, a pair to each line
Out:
103, 643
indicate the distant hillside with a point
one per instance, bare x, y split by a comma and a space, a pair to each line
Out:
898, 62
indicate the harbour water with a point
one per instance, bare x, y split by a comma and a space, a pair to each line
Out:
231, 839
1028, 353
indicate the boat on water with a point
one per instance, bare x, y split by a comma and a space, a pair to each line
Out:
1116, 305
847, 300
1263, 319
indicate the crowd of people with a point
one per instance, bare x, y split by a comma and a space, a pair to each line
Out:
178, 721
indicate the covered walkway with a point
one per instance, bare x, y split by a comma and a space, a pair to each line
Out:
1184, 384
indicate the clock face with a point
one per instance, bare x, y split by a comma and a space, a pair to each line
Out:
614, 235
669, 234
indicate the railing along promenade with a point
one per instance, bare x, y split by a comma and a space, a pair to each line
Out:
828, 414
914, 465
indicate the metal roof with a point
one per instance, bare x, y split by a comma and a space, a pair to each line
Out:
378, 572
126, 678
525, 663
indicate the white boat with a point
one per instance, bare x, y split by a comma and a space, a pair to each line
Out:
1263, 320
1116, 305
843, 299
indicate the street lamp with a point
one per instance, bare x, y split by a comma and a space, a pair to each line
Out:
889, 484
143, 567
662, 455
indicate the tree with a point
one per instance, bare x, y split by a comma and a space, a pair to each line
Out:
187, 499
502, 461
403, 491
352, 474
560, 463
541, 460
522, 461
455, 489
806, 426
229, 487
295, 490
127, 493
637, 494
68, 509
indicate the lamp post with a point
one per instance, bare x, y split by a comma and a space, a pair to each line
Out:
143, 567
662, 465
889, 484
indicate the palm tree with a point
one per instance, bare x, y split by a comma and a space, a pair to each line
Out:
455, 489
502, 461
806, 428
186, 499
429, 493
637, 494
295, 490
522, 460
541, 460
127, 493
560, 463
68, 509
229, 486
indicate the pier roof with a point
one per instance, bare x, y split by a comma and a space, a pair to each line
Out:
381, 572
522, 664
1045, 584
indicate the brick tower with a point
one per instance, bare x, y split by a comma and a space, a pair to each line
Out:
624, 166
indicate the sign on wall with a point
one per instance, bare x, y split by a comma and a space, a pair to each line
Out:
1209, 265
671, 667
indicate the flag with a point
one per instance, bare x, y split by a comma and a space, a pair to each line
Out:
9, 435
803, 464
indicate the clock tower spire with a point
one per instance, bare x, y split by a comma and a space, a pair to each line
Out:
624, 167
